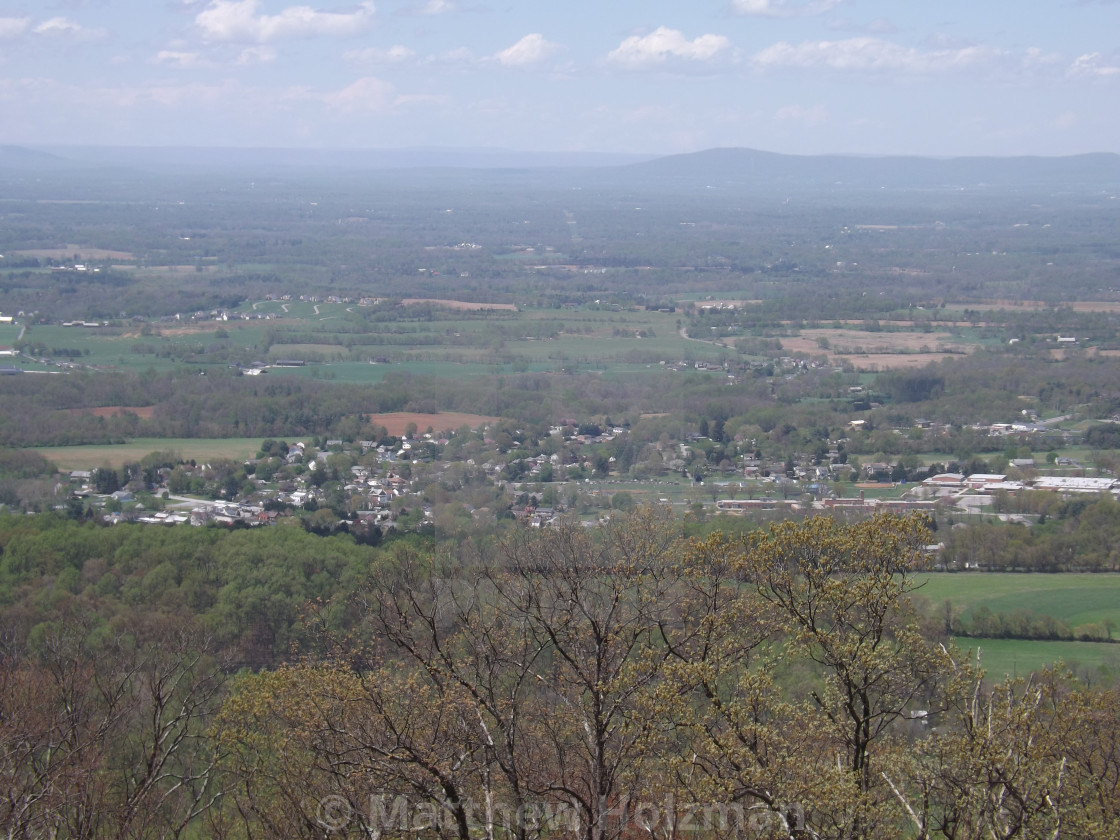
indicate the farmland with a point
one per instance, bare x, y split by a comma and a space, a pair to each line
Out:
1077, 599
117, 455
1087, 603
1018, 658
333, 337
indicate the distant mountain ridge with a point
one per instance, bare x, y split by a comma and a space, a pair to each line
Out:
16, 156
736, 166
721, 168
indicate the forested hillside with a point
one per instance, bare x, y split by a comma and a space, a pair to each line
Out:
591, 683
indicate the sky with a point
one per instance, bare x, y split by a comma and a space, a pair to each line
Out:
944, 78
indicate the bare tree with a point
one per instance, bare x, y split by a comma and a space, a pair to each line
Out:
107, 735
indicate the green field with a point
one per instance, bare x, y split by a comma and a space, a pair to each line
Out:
441, 340
445, 342
115, 455
1019, 658
9, 333
1077, 599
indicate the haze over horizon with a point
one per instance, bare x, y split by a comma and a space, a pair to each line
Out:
652, 78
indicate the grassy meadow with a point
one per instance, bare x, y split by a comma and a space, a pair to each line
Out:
9, 333
1077, 599
116, 455
445, 340
1080, 600
1019, 657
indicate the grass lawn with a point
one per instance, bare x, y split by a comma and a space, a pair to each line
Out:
115, 455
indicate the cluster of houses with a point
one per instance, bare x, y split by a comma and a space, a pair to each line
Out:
377, 475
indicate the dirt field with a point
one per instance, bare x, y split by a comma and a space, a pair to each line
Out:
201, 450
161, 270
859, 341
723, 304
875, 351
201, 327
1079, 306
67, 252
298, 351
446, 421
890, 361
142, 411
462, 304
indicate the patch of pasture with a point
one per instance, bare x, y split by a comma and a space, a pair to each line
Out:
1014, 658
1076, 599
200, 450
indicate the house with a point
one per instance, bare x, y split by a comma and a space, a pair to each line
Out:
379, 496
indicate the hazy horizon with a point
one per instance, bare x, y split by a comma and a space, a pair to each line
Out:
804, 77
496, 151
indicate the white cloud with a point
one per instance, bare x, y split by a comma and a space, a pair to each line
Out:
878, 26
457, 56
237, 20
870, 54
814, 116
782, 8
13, 27
222, 94
531, 49
1094, 66
255, 55
190, 60
366, 94
427, 8
58, 26
55, 27
80, 98
181, 60
1065, 121
395, 54
1036, 58
664, 44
